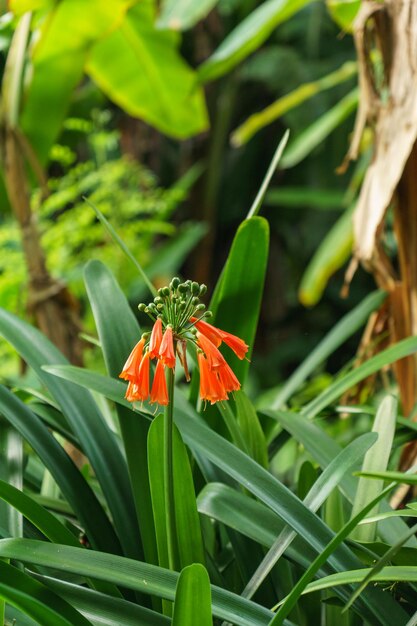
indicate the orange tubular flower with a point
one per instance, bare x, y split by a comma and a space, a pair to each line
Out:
178, 317
159, 393
131, 367
228, 379
211, 332
156, 339
215, 358
236, 344
166, 350
211, 388
142, 383
216, 336
131, 392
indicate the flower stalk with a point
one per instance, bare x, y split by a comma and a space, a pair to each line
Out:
169, 494
178, 319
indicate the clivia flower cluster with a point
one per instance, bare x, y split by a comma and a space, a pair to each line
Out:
178, 317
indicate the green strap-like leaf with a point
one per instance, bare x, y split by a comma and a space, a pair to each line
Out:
71, 482
390, 574
101, 608
193, 598
344, 329
85, 419
242, 280
119, 332
330, 256
312, 136
376, 460
35, 600
316, 496
324, 449
47, 523
11, 472
189, 539
286, 103
290, 601
374, 364
130, 574
211, 446
248, 36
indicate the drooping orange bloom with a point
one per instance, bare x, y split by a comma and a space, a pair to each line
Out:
178, 318
236, 344
214, 357
156, 339
131, 367
211, 388
159, 392
228, 378
210, 331
138, 387
166, 349
131, 392
142, 381
216, 336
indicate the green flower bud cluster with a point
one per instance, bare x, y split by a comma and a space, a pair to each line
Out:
176, 304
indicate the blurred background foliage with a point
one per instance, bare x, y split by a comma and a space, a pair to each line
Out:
167, 123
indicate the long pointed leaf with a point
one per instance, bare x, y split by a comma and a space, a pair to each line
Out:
103, 609
375, 460
85, 419
335, 390
242, 280
119, 332
72, 483
344, 329
323, 449
316, 496
37, 601
193, 598
189, 538
131, 574
203, 441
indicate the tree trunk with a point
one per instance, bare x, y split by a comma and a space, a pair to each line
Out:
55, 310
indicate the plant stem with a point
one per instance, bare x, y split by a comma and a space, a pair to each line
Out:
171, 526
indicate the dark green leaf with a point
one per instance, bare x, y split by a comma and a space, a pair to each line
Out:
85, 419
37, 601
131, 574
242, 281
119, 332
71, 482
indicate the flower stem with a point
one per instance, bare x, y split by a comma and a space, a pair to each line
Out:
171, 525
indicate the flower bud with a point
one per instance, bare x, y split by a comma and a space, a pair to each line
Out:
195, 288
175, 283
142, 307
203, 289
